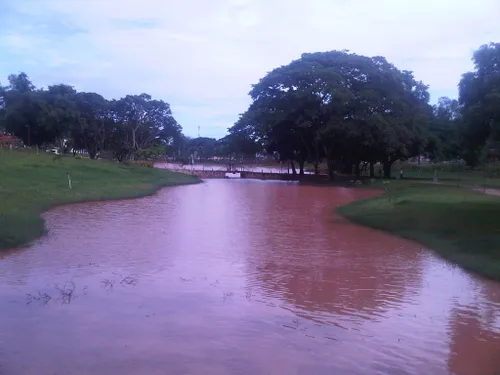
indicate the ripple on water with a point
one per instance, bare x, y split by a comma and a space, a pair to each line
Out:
239, 277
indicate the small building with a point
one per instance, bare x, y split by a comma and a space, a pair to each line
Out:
9, 140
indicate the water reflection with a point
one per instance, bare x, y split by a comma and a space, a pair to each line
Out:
239, 277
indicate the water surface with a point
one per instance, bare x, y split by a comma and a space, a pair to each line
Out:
238, 277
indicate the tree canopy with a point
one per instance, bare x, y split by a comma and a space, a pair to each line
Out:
479, 96
59, 115
341, 107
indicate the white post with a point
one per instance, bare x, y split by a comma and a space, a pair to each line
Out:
69, 180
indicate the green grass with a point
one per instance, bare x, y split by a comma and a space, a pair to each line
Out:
31, 184
452, 174
457, 223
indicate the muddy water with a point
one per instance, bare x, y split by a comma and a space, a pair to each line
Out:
238, 277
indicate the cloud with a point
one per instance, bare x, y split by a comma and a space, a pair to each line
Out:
203, 56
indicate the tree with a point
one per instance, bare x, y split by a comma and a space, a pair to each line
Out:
444, 131
93, 123
237, 145
479, 95
60, 112
38, 117
118, 141
135, 124
145, 120
339, 106
24, 117
201, 148
20, 83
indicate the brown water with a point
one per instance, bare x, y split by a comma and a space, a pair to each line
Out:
238, 277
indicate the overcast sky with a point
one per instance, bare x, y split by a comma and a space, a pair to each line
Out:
202, 56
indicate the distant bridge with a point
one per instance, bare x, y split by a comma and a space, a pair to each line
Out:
205, 174
248, 174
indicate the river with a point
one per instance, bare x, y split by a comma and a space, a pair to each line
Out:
238, 277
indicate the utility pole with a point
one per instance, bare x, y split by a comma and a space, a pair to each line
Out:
198, 131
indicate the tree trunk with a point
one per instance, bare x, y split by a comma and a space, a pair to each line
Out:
294, 171
387, 169
301, 166
316, 160
357, 171
331, 169
346, 167
92, 154
134, 144
372, 170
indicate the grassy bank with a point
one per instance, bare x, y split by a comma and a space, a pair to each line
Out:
457, 223
31, 184
452, 174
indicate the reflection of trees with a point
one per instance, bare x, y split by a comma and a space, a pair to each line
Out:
474, 350
320, 263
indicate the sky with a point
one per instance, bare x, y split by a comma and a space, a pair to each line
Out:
202, 56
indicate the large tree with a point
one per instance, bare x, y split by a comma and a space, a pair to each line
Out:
444, 130
340, 106
145, 120
94, 121
479, 94
24, 116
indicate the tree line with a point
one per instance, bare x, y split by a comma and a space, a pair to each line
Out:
353, 111
133, 126
232, 147
345, 110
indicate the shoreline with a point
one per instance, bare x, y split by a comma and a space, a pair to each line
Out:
142, 194
33, 184
455, 223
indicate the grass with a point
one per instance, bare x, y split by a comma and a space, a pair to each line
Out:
452, 174
31, 184
457, 223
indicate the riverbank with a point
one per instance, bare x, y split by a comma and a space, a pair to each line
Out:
459, 224
452, 174
31, 184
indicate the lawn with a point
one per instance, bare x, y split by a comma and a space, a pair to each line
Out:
459, 224
31, 184
452, 174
